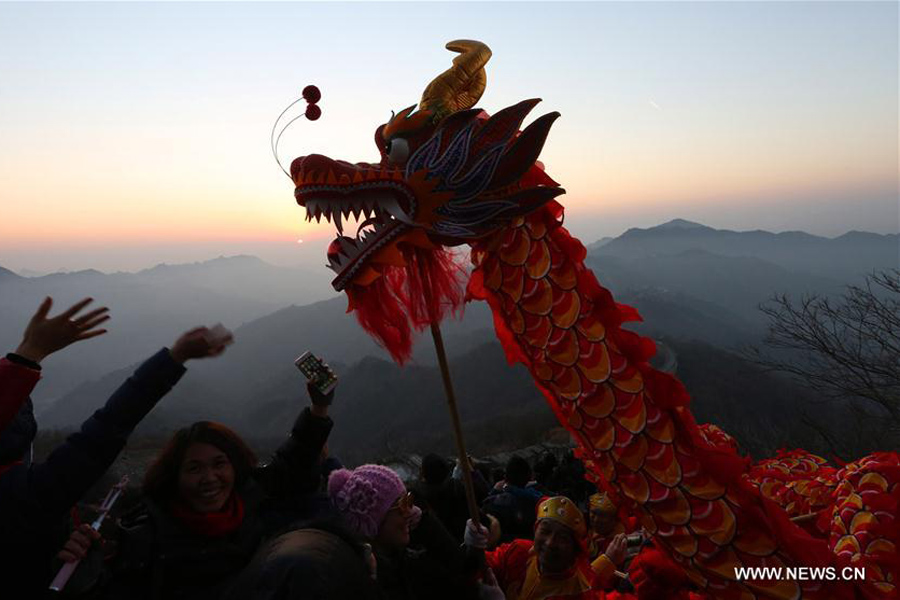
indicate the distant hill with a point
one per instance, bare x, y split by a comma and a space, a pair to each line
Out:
382, 410
150, 308
844, 259
712, 283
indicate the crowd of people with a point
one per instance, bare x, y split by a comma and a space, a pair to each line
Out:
213, 522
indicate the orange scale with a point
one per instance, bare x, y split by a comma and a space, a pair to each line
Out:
565, 308
516, 252
658, 492
634, 485
881, 546
543, 372
872, 481
513, 281
674, 509
607, 466
599, 404
631, 454
564, 350
659, 425
588, 388
563, 274
508, 236
516, 321
846, 545
719, 525
590, 326
863, 521
536, 229
537, 330
702, 486
623, 436
594, 363
681, 541
538, 263
700, 509
664, 468
706, 549
632, 384
601, 433
633, 416
537, 297
568, 386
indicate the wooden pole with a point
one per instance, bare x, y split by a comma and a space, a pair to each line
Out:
457, 427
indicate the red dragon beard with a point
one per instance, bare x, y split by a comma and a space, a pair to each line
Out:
405, 299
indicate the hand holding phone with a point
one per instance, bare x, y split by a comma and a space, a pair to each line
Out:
320, 376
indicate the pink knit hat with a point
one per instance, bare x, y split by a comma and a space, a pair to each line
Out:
364, 496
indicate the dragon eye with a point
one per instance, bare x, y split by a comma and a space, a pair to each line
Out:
397, 150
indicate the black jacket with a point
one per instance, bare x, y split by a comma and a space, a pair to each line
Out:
35, 499
158, 558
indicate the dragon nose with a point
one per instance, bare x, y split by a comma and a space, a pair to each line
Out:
297, 166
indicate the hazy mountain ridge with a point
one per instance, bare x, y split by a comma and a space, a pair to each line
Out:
688, 294
844, 258
150, 308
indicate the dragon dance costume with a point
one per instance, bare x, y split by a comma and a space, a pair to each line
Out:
451, 174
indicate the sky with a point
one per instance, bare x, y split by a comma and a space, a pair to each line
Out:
138, 133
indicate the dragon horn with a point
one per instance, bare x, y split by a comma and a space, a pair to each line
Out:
460, 86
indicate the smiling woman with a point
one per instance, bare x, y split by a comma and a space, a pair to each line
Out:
207, 506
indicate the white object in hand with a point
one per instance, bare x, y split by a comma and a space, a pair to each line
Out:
218, 334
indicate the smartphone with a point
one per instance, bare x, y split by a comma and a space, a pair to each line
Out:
317, 371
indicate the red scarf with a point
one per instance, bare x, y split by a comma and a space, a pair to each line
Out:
8, 466
212, 524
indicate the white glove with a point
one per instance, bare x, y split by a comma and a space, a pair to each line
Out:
475, 536
488, 588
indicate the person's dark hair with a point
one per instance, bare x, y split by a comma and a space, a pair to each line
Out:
518, 472
161, 479
544, 468
497, 474
434, 469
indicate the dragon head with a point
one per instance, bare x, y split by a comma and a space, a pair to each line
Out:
448, 174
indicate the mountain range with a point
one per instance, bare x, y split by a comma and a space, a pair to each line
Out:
696, 287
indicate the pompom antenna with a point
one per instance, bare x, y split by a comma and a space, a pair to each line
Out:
312, 95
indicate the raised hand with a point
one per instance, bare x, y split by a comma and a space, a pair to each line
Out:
615, 550
199, 343
44, 336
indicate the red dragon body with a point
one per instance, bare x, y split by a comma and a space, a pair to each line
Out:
452, 175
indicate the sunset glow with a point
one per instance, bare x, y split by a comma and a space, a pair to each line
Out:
146, 125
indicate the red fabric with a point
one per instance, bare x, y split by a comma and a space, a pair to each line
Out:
213, 524
409, 298
16, 383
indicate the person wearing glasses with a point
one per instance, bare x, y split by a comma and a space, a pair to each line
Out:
414, 556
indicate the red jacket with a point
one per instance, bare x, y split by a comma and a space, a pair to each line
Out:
515, 566
16, 383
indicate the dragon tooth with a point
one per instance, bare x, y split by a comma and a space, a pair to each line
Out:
357, 177
310, 177
330, 179
370, 175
